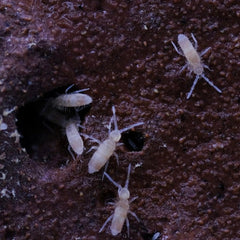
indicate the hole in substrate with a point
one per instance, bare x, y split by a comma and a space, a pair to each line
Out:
220, 190
106, 197
9, 234
133, 140
238, 101
151, 236
147, 235
44, 140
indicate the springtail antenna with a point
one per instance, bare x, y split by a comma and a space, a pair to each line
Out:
128, 176
111, 180
114, 118
78, 91
131, 126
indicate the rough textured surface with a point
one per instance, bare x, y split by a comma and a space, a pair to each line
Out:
186, 177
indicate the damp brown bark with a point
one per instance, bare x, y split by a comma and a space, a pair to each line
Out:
186, 176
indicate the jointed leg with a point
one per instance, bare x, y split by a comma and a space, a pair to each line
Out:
134, 215
92, 138
71, 152
193, 86
205, 51
105, 169
92, 148
111, 203
211, 83
183, 68
117, 158
80, 126
104, 225
195, 41
128, 226
176, 49
133, 199
206, 66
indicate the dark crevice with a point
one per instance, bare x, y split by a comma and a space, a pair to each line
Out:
43, 140
149, 236
105, 197
9, 234
133, 140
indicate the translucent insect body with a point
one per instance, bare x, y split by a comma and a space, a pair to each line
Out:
121, 207
193, 60
74, 99
106, 148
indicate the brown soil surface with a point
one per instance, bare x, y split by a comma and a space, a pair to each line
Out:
186, 176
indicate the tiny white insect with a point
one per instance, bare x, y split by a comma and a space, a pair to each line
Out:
70, 127
74, 99
121, 207
193, 60
106, 148
74, 139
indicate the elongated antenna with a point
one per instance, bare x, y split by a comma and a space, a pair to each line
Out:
131, 126
128, 176
81, 90
104, 225
78, 91
66, 91
109, 127
111, 180
114, 118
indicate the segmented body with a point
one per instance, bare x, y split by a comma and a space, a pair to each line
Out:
71, 100
122, 208
107, 148
104, 151
119, 216
193, 60
74, 138
191, 54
